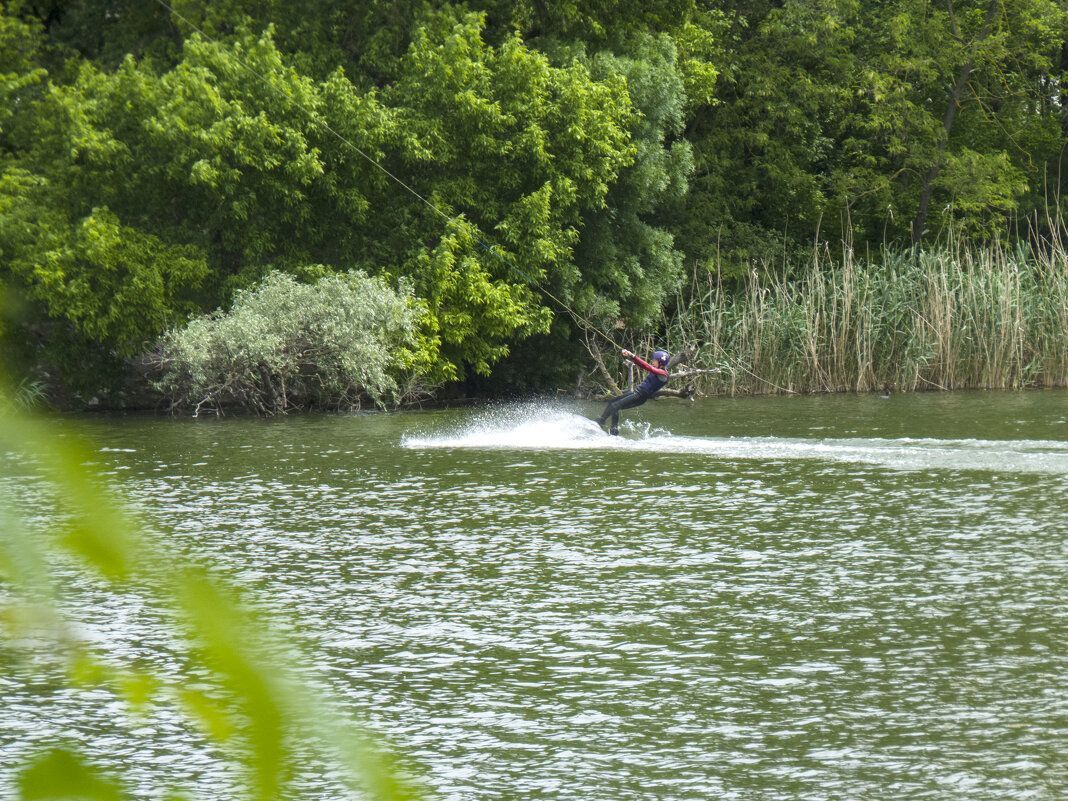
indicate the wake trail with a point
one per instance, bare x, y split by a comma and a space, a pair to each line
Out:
541, 429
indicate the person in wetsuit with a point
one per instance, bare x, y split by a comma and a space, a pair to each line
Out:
653, 383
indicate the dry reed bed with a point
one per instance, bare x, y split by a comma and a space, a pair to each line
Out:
952, 319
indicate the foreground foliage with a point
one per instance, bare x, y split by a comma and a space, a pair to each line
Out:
232, 678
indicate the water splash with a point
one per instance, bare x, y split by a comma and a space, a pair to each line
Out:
546, 428
517, 427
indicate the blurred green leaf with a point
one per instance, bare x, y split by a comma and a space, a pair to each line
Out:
62, 774
239, 680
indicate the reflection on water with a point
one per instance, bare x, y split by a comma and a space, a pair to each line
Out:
763, 599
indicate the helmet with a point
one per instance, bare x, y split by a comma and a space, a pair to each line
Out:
661, 356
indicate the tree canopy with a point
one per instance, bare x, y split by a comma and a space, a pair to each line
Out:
518, 166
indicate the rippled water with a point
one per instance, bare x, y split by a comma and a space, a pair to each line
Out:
782, 598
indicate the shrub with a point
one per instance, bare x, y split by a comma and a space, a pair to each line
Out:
285, 345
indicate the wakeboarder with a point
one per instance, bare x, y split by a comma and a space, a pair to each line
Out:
653, 383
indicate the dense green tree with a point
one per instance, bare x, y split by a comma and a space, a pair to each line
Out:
655, 96
529, 167
951, 94
834, 118
624, 252
370, 38
104, 31
524, 150
765, 143
235, 161
103, 281
20, 42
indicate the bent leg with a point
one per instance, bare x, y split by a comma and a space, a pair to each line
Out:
626, 401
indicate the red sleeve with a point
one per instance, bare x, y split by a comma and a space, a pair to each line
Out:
638, 360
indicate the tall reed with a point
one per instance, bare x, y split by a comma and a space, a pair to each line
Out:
953, 318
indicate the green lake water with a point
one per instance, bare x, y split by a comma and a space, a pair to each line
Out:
832, 597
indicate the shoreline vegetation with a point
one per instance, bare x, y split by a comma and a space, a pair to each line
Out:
269, 207
954, 318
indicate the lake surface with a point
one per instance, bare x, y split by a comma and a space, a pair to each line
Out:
847, 597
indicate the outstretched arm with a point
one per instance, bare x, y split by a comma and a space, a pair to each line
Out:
638, 360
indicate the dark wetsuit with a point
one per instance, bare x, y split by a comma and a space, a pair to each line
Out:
653, 383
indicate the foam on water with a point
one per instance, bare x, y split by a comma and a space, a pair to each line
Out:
541, 428
519, 427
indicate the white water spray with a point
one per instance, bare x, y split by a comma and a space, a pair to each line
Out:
547, 428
